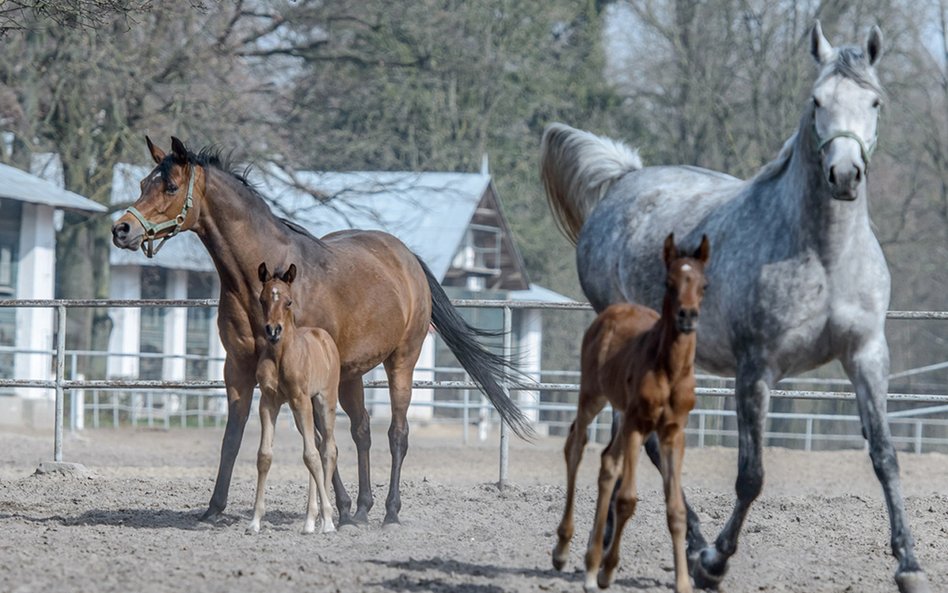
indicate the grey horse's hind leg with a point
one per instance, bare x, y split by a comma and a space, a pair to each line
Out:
752, 395
868, 369
696, 541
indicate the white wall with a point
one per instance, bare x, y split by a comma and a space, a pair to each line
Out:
531, 349
125, 283
35, 280
176, 326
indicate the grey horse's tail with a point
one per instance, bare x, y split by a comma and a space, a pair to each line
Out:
490, 371
577, 168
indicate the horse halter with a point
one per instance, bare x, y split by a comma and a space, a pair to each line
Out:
865, 150
152, 229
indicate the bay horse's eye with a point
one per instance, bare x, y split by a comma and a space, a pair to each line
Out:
288, 303
171, 188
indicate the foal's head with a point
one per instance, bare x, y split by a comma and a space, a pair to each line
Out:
685, 283
277, 300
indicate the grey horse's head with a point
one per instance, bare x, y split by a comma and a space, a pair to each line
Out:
846, 99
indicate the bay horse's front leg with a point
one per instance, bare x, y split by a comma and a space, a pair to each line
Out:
753, 396
239, 381
672, 452
352, 400
695, 538
609, 469
625, 502
868, 368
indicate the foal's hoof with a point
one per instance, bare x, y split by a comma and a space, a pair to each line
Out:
560, 554
912, 582
708, 569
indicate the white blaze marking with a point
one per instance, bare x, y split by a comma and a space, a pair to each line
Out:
686, 268
276, 294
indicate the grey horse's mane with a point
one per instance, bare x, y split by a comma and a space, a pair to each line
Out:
850, 62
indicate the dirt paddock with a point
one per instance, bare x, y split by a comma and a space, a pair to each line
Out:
131, 523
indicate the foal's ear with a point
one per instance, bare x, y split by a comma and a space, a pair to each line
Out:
704, 250
874, 45
156, 153
820, 48
671, 252
262, 272
178, 150
290, 274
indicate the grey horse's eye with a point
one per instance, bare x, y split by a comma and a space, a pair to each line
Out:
816, 103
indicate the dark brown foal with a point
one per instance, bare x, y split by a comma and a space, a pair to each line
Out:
643, 364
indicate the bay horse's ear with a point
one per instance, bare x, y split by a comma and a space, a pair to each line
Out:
820, 48
262, 272
178, 150
290, 274
671, 252
874, 45
156, 153
704, 250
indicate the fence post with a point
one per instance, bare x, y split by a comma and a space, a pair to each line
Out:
808, 439
504, 429
60, 371
918, 436
701, 425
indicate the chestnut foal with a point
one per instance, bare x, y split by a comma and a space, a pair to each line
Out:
643, 364
299, 366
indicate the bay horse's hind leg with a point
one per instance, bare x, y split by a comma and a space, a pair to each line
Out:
352, 400
399, 368
239, 380
868, 368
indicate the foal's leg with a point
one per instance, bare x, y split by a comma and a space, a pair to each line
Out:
239, 379
399, 368
268, 416
608, 474
352, 400
752, 395
672, 451
324, 414
625, 504
868, 369
589, 407
696, 541
303, 414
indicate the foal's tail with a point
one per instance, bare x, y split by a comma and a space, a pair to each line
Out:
577, 168
487, 369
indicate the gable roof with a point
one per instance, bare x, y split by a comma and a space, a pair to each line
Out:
429, 212
19, 185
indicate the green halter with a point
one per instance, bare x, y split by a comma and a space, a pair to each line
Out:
152, 229
866, 151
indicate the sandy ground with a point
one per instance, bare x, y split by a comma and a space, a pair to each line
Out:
131, 523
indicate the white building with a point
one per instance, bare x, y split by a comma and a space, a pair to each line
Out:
30, 214
454, 221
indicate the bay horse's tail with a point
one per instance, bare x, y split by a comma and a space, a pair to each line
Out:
487, 369
577, 168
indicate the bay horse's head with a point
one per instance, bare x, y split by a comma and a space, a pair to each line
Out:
685, 283
276, 298
168, 203
846, 101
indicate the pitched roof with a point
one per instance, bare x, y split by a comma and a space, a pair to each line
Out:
24, 187
430, 212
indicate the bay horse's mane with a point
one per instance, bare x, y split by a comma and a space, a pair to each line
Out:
214, 156
851, 62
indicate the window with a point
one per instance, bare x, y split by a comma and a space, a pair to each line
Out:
200, 286
154, 286
11, 212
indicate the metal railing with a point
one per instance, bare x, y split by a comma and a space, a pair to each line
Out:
701, 432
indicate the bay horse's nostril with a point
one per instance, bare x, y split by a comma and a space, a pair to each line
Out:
120, 230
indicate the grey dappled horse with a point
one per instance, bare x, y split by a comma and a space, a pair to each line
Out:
797, 278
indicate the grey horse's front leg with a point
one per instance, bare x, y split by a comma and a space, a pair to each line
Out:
753, 395
868, 368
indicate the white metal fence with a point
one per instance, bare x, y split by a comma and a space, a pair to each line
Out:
199, 403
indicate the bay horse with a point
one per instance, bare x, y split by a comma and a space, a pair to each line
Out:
800, 277
300, 367
641, 362
366, 288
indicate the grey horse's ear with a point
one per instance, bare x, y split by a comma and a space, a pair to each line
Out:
670, 252
874, 45
820, 48
290, 274
262, 272
704, 250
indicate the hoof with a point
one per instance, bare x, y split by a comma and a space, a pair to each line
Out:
361, 517
912, 582
328, 527
253, 529
212, 515
605, 578
707, 570
590, 585
391, 519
